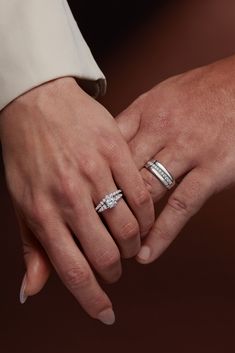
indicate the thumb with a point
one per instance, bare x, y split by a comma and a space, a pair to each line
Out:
37, 263
128, 122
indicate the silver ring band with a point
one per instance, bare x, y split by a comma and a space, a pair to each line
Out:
161, 173
109, 201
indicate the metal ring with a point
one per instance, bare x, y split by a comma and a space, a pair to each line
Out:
109, 201
161, 173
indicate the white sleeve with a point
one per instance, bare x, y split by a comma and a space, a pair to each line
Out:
40, 41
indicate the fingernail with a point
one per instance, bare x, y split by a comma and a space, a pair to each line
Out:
144, 253
23, 296
107, 317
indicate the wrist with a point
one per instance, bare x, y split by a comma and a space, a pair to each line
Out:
37, 99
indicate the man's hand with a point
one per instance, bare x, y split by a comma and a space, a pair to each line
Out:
63, 152
187, 123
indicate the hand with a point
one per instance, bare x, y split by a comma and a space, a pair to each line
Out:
188, 124
63, 152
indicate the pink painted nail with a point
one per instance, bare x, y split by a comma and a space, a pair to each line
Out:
144, 254
23, 296
107, 316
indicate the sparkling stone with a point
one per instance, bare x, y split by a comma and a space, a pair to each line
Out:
110, 202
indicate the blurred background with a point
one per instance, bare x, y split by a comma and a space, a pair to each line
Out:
185, 301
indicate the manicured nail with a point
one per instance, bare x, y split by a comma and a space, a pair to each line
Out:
144, 254
107, 317
23, 296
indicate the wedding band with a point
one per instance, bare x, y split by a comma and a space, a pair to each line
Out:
109, 201
161, 173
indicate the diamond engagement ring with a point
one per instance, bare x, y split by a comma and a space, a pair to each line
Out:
161, 173
109, 201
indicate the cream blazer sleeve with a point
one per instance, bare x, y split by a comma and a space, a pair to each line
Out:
40, 41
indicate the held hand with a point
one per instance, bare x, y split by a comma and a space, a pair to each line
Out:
63, 153
187, 123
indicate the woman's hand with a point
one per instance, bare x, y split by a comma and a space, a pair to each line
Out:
63, 152
187, 123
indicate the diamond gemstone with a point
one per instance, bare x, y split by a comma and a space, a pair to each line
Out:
110, 202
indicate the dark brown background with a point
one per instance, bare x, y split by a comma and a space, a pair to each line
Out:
185, 301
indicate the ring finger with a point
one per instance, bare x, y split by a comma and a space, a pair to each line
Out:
120, 220
95, 240
177, 164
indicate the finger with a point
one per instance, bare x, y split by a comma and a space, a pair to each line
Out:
81, 217
186, 200
95, 240
176, 161
142, 150
120, 220
128, 122
37, 264
73, 269
129, 180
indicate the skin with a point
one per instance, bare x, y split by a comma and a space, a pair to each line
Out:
189, 123
63, 152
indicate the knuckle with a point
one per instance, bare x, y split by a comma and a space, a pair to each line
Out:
37, 212
142, 197
77, 277
111, 147
108, 260
129, 231
89, 165
180, 205
67, 188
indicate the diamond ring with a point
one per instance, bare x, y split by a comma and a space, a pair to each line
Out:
161, 173
109, 201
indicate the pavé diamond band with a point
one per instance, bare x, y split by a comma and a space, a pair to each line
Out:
109, 201
161, 173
